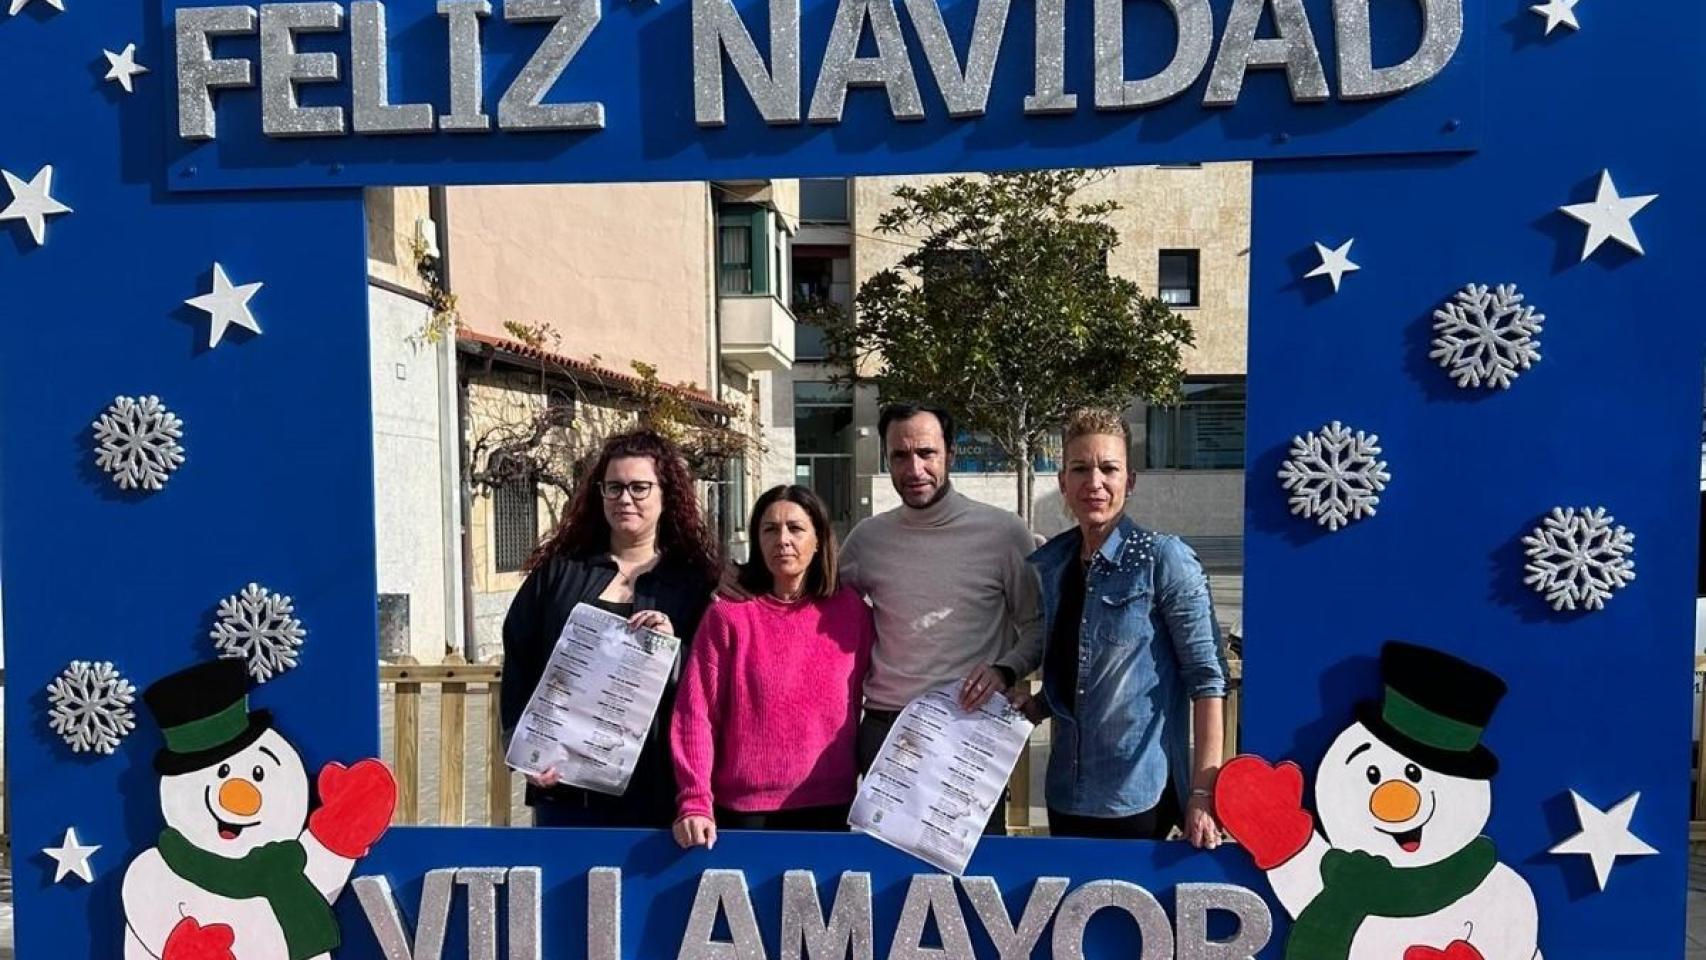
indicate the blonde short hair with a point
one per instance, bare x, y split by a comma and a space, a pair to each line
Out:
1095, 421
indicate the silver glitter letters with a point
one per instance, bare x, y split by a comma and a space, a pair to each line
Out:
466, 80
805, 935
520, 107
844, 68
199, 74
717, 28
604, 913
525, 913
1076, 909
1114, 91
380, 906
931, 893
1360, 79
524, 908
1294, 49
1049, 89
482, 884
1014, 943
282, 68
966, 92
369, 63
1193, 901
722, 891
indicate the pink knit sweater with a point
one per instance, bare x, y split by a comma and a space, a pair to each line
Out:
768, 707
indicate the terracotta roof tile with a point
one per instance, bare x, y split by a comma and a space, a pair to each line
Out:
586, 369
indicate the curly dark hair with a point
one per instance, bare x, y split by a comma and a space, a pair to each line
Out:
681, 529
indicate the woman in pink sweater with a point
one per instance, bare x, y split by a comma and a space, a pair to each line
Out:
768, 709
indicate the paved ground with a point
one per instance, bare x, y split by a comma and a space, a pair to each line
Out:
474, 749
1697, 903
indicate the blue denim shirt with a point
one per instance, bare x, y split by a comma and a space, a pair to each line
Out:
1148, 645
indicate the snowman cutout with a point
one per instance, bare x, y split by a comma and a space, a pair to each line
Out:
243, 869
1400, 869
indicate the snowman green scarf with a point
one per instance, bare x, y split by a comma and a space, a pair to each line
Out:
275, 872
1359, 885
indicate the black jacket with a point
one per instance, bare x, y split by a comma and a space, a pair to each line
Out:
536, 617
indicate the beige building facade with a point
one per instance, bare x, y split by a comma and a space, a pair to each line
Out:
609, 269
495, 309
1185, 235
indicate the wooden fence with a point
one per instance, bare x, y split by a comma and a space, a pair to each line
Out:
457, 772
455, 684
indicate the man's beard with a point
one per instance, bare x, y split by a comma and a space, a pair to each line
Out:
935, 498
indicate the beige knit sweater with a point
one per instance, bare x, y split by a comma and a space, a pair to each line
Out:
951, 591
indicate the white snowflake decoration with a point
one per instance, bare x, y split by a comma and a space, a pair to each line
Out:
1334, 476
1486, 337
1579, 558
259, 626
138, 442
91, 706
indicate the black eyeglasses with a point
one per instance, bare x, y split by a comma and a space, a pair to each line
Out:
638, 489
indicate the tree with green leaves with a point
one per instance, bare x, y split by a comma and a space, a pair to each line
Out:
1005, 312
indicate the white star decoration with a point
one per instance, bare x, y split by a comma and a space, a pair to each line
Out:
1334, 263
30, 202
72, 857
1608, 216
19, 5
226, 304
1558, 13
1605, 835
124, 66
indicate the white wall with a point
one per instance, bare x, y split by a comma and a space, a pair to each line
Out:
408, 516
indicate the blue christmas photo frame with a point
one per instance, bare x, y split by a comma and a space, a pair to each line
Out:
1426, 170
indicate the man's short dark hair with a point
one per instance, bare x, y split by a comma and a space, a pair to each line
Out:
906, 411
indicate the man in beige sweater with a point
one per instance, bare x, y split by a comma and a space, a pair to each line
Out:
947, 579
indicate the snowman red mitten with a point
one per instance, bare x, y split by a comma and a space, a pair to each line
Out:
1261, 805
1455, 950
190, 940
356, 806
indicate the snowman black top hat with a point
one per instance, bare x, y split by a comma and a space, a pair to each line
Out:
204, 713
1434, 710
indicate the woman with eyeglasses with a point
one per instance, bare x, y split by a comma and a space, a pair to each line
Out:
633, 543
767, 723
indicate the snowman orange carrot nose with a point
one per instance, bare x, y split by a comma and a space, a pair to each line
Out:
240, 797
1395, 801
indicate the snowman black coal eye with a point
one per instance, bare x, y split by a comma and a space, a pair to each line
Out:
1373, 774
258, 773
1413, 773
224, 770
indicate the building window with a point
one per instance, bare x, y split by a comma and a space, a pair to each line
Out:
515, 523
732, 502
822, 287
949, 265
734, 258
780, 267
1204, 432
977, 452
1179, 277
823, 201
823, 447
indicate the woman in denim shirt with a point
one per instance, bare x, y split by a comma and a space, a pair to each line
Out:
1132, 663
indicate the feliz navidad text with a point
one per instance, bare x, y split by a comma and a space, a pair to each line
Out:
807, 932
722, 39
